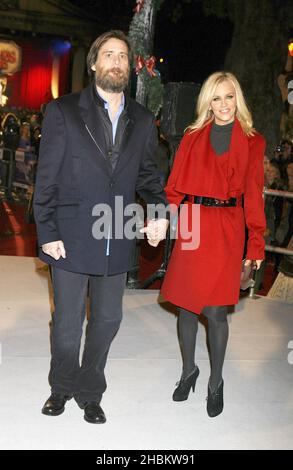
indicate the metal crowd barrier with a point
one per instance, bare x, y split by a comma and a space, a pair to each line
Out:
17, 172
287, 195
7, 163
273, 248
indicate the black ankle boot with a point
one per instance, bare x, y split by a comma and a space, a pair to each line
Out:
215, 401
184, 385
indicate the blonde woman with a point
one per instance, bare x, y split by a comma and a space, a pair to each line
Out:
219, 160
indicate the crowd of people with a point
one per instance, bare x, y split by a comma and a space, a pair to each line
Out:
21, 129
278, 172
279, 214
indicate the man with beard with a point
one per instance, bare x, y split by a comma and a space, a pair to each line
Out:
97, 145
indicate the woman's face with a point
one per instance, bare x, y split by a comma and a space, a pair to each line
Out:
25, 131
272, 173
266, 162
223, 103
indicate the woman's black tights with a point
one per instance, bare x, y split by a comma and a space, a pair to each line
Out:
218, 332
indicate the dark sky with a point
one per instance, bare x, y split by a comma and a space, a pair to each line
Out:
193, 47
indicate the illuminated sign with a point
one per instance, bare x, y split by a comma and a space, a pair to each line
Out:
10, 57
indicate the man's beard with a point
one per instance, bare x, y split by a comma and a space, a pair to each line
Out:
112, 83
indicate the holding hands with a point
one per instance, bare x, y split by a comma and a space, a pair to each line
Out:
256, 262
155, 230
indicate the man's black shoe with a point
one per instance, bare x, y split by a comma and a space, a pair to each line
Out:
55, 405
93, 413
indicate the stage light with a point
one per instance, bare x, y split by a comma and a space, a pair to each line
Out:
60, 47
290, 47
161, 60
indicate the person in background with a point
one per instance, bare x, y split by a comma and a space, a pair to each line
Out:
25, 137
36, 138
284, 231
273, 204
266, 162
283, 155
282, 289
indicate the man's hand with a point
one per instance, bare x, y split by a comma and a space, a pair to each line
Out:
156, 230
54, 249
257, 262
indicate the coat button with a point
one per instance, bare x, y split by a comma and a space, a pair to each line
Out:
110, 153
112, 183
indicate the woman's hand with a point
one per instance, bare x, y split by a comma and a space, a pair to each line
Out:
256, 261
156, 230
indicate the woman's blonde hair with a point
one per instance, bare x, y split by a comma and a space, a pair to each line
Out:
204, 115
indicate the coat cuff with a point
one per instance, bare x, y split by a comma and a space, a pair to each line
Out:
48, 238
255, 249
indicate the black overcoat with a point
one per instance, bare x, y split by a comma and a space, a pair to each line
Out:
74, 174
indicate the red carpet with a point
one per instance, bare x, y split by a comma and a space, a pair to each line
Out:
18, 238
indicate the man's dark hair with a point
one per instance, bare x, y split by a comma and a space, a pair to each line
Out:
97, 44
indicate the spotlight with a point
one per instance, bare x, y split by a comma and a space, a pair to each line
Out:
290, 47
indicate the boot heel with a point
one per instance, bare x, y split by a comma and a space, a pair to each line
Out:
195, 377
193, 387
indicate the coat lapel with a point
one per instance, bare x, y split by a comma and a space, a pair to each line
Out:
94, 129
200, 162
238, 158
126, 138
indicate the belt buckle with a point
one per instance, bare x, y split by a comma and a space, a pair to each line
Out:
219, 202
233, 201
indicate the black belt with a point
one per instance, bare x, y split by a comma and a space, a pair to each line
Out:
210, 201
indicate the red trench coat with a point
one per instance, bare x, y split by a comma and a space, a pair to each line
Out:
209, 274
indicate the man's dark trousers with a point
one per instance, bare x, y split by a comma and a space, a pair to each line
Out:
86, 382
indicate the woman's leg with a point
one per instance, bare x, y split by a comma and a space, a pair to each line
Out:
187, 326
218, 333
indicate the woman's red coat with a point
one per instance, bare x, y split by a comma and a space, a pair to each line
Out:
210, 273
